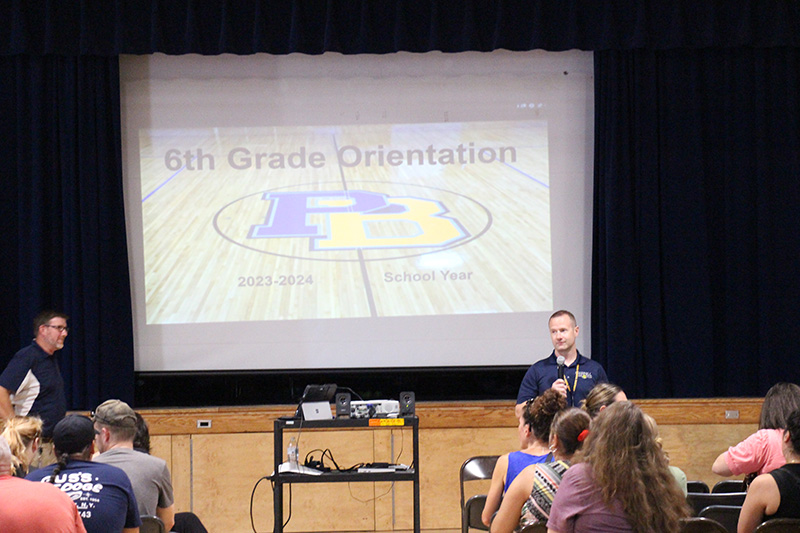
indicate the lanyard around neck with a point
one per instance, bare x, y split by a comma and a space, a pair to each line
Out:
575, 383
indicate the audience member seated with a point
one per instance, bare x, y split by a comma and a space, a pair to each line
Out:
27, 506
185, 522
777, 493
677, 473
601, 396
23, 434
115, 424
761, 452
530, 496
103, 493
622, 483
534, 436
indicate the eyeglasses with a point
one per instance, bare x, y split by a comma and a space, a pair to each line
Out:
60, 329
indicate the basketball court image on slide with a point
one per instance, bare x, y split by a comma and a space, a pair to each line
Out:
245, 224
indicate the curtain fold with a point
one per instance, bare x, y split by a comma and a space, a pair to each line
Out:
695, 239
63, 242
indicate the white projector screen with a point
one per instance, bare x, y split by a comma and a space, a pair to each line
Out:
312, 212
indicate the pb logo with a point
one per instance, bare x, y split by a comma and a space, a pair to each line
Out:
344, 220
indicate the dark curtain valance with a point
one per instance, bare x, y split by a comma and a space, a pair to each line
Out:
109, 28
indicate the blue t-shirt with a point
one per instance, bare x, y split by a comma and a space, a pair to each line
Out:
33, 378
103, 494
541, 375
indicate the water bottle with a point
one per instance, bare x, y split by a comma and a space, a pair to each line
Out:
291, 452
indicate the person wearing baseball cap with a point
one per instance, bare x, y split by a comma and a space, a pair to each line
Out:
103, 493
26, 506
115, 425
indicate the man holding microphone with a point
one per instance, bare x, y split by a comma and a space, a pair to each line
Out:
566, 370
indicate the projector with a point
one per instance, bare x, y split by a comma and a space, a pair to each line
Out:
374, 409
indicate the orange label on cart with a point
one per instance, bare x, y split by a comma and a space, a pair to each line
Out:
387, 422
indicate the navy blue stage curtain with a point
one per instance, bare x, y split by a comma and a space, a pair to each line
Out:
696, 241
112, 27
62, 238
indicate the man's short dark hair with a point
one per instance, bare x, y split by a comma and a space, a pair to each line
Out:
46, 316
562, 312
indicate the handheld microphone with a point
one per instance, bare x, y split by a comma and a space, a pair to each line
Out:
560, 361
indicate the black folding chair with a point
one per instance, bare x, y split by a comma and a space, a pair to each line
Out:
699, 501
728, 485
697, 486
779, 525
152, 524
727, 515
697, 524
474, 468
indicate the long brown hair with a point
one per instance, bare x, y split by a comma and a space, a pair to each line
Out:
629, 466
780, 401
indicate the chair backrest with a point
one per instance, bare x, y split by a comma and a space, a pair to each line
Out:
152, 524
779, 525
697, 486
471, 514
534, 528
729, 485
479, 467
699, 501
697, 524
727, 515
474, 468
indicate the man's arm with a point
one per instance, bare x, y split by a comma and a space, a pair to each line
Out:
167, 515
6, 409
130, 530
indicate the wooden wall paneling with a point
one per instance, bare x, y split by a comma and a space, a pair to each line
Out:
182, 473
442, 452
693, 448
161, 446
226, 469
394, 504
333, 506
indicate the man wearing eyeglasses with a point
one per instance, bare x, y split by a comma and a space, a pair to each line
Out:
31, 384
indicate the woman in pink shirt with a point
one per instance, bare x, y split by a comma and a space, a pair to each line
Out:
762, 452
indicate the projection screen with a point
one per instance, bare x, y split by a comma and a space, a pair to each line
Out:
290, 212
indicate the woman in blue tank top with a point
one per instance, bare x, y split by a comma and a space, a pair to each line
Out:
534, 435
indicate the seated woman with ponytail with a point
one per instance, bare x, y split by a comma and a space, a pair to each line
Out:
534, 435
103, 493
530, 496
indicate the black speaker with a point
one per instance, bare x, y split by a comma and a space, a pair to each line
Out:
406, 404
342, 404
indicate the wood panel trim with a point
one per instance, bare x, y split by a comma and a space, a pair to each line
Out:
443, 415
